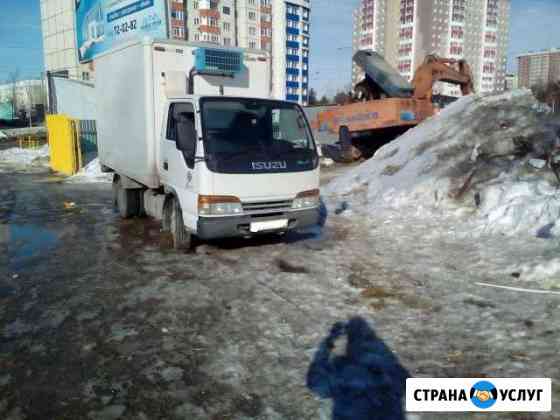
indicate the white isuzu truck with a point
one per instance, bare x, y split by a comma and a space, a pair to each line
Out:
194, 139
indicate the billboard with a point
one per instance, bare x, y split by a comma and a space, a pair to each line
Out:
102, 24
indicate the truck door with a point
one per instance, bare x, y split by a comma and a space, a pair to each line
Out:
177, 166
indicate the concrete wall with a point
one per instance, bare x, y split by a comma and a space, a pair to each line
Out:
75, 98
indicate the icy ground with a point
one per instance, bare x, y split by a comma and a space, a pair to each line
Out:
91, 173
101, 319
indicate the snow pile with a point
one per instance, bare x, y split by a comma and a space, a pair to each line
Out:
24, 157
489, 157
91, 173
3, 136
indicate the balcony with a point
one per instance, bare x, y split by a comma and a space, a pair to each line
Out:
209, 29
209, 13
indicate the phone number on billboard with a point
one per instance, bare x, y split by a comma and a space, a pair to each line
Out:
125, 27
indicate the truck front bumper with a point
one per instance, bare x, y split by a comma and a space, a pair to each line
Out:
235, 226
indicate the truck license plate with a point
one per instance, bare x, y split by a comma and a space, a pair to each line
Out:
269, 225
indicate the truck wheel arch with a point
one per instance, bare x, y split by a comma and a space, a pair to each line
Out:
167, 211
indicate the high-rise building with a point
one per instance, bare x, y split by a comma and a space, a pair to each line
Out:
538, 68
278, 26
406, 31
368, 31
177, 22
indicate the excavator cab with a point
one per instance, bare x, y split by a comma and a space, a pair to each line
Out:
438, 69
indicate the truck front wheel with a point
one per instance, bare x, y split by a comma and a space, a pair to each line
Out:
182, 239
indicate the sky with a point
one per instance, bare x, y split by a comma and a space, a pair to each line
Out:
535, 25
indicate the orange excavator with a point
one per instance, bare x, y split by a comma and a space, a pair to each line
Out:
385, 105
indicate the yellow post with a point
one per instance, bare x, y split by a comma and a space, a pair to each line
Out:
63, 145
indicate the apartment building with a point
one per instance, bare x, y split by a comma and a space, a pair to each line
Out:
369, 21
405, 31
177, 19
538, 68
278, 26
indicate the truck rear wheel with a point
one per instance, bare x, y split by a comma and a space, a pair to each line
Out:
128, 201
182, 239
115, 189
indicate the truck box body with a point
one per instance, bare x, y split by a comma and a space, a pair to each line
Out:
132, 83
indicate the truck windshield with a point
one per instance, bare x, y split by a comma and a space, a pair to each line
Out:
256, 135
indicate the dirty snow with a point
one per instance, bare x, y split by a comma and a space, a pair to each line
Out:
91, 173
461, 175
465, 161
18, 156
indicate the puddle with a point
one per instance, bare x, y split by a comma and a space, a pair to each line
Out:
7, 291
26, 241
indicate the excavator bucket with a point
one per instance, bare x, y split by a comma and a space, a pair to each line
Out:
384, 76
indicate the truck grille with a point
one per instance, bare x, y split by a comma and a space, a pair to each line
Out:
267, 207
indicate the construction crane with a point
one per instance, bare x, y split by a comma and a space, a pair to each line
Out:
385, 105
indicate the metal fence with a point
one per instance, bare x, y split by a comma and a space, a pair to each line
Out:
87, 133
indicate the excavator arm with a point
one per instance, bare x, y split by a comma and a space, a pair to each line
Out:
437, 69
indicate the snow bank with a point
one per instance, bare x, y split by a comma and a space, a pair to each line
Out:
91, 173
25, 157
485, 157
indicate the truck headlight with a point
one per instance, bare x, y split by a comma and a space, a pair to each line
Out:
219, 205
306, 200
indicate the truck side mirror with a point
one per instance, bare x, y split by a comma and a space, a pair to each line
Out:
186, 136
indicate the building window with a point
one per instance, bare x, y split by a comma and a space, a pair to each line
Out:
177, 14
196, 20
252, 16
227, 26
227, 42
178, 32
252, 45
226, 10
252, 31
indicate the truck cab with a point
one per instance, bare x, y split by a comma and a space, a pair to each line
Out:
239, 166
